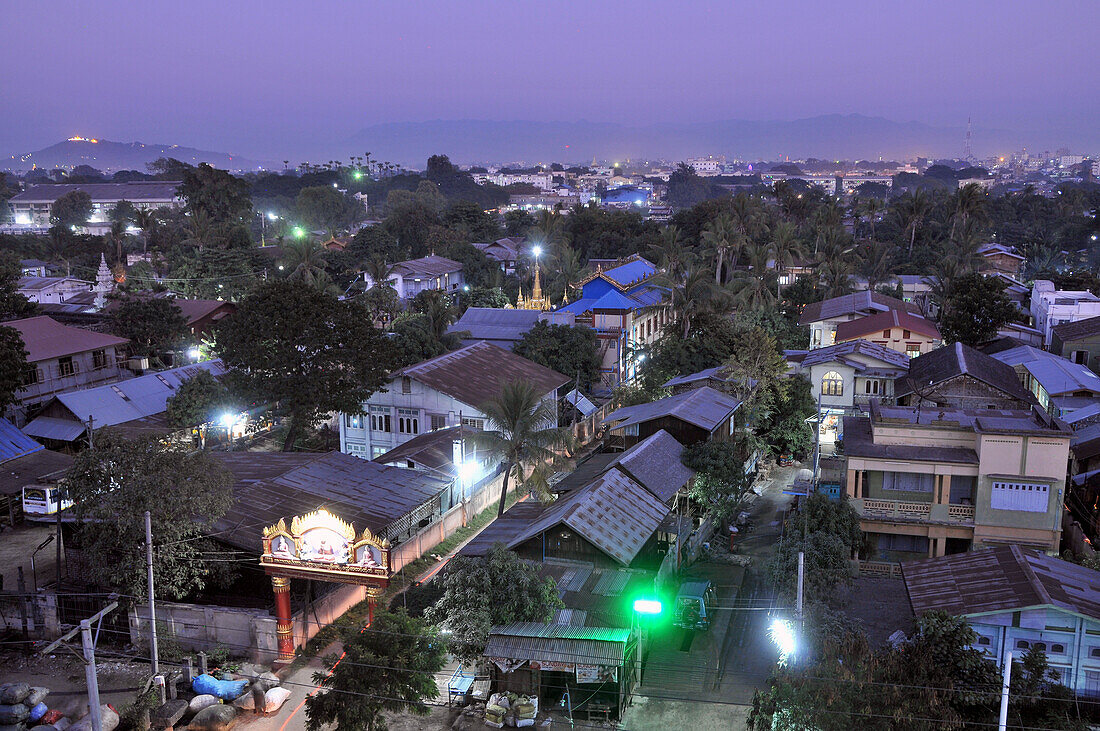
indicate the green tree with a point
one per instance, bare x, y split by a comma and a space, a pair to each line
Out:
13, 366
389, 666
199, 400
485, 297
305, 351
72, 209
216, 274
570, 350
756, 367
479, 592
720, 482
325, 208
223, 197
785, 430
974, 308
114, 484
304, 261
413, 340
471, 222
13, 305
153, 325
522, 433
123, 212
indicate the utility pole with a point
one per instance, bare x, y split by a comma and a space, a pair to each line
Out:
91, 439
1002, 721
152, 603
801, 577
90, 675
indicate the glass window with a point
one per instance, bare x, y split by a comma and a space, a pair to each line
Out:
1022, 644
478, 424
1026, 497
439, 421
408, 421
99, 359
905, 334
66, 366
832, 384
983, 640
380, 419
886, 334
406, 384
1057, 648
353, 421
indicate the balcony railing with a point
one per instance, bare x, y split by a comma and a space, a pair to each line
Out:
886, 569
902, 510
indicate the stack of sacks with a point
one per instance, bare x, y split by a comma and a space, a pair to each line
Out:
525, 709
22, 706
496, 710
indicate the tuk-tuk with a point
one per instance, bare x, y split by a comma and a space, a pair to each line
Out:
695, 604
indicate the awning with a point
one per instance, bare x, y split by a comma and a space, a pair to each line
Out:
1085, 477
526, 641
52, 427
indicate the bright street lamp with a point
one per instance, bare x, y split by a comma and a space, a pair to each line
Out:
781, 632
298, 232
228, 420
647, 606
194, 354
271, 216
537, 250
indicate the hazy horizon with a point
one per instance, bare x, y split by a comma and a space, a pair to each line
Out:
272, 80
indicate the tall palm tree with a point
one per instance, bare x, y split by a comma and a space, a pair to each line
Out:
147, 221
836, 277
671, 255
876, 263
693, 295
873, 207
117, 235
913, 209
201, 227
376, 267
305, 262
786, 246
568, 270
523, 433
721, 237
58, 247
968, 203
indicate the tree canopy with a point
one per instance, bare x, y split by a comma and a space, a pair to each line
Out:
304, 351
71, 209
571, 350
154, 325
974, 309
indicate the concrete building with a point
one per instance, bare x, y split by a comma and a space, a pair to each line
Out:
957, 376
930, 482
823, 317
51, 290
897, 330
410, 278
438, 393
706, 166
618, 303
31, 208
1051, 307
1016, 599
1060, 386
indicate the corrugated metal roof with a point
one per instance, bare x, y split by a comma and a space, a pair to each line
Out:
475, 374
52, 427
505, 528
1002, 579
269, 486
1054, 373
136, 191
30, 468
558, 643
703, 407
427, 266
853, 347
852, 304
631, 272
656, 463
1070, 331
614, 513
14, 443
134, 398
951, 361
45, 338
884, 321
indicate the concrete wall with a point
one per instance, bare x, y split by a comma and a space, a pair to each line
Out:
201, 627
40, 612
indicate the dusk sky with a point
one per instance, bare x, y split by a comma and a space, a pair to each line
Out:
269, 78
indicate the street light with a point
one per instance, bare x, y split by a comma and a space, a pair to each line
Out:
194, 354
781, 632
271, 216
647, 606
298, 232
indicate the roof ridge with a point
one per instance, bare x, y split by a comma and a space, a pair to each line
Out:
1032, 579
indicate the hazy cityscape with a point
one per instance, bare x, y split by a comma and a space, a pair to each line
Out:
461, 366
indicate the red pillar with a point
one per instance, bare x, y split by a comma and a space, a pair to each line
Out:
373, 593
284, 627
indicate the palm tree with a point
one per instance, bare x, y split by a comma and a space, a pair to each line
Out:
671, 255
202, 227
913, 209
377, 269
305, 261
721, 237
752, 289
118, 235
568, 270
693, 295
968, 203
873, 207
875, 263
786, 248
57, 247
522, 432
836, 277
147, 221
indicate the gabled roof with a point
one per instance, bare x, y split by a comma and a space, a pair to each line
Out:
999, 249
853, 304
45, 338
433, 449
1003, 579
475, 374
951, 361
865, 348
495, 323
14, 443
614, 513
119, 403
884, 321
272, 485
656, 463
1053, 372
40, 283
624, 274
1070, 331
427, 266
703, 407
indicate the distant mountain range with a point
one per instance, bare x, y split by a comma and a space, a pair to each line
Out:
110, 157
835, 136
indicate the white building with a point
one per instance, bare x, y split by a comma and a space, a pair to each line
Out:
1050, 306
850, 183
706, 166
439, 393
51, 290
410, 278
31, 208
1066, 161
542, 181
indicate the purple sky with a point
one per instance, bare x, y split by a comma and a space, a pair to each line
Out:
268, 78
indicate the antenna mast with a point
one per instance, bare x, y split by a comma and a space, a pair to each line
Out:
968, 154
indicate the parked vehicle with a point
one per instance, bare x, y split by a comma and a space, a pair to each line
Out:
695, 605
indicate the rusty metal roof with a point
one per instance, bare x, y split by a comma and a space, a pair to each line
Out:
1003, 579
505, 528
655, 462
558, 643
702, 407
45, 338
475, 374
269, 486
614, 513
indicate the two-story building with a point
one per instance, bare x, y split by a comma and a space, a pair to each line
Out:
823, 317
438, 393
410, 278
51, 290
1000, 259
895, 329
1016, 600
505, 252
63, 358
1051, 307
930, 482
699, 415
32, 207
620, 302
